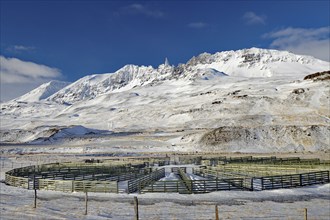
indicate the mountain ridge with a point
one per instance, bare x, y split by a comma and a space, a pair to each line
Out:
253, 62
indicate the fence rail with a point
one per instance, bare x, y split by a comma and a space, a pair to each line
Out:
79, 186
17, 181
213, 161
289, 181
196, 186
166, 186
139, 183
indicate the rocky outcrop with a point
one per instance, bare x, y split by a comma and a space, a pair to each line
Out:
268, 138
319, 76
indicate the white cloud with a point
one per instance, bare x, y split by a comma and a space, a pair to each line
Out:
18, 77
139, 9
20, 48
197, 25
252, 18
313, 41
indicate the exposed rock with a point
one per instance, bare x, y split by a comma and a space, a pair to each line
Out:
298, 91
319, 76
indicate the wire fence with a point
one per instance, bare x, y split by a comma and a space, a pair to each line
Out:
72, 206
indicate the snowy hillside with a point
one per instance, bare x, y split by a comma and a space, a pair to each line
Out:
43, 91
251, 100
125, 78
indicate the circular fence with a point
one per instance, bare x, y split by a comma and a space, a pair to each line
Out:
186, 174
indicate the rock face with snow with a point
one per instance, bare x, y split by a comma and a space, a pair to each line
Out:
257, 62
252, 62
246, 100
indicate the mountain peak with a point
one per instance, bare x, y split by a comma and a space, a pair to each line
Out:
257, 62
166, 63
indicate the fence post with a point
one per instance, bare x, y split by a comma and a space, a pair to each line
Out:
216, 212
216, 183
305, 213
136, 208
86, 201
35, 198
35, 190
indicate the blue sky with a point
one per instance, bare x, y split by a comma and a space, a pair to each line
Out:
66, 40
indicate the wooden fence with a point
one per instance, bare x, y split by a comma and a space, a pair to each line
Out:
185, 179
266, 182
139, 183
289, 181
78, 186
214, 161
195, 186
167, 186
71, 177
63, 185
17, 181
203, 186
111, 173
265, 173
176, 170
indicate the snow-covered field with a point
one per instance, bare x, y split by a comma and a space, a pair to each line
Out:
17, 203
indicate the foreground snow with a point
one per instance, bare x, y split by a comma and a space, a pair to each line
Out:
17, 203
277, 204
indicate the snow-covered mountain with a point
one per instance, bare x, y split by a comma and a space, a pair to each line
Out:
43, 92
245, 100
252, 62
256, 62
125, 78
